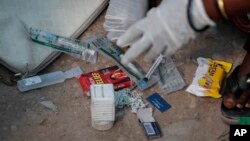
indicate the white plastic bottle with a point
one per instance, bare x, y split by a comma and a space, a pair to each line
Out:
47, 79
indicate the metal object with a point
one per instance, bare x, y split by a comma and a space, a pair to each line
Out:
143, 82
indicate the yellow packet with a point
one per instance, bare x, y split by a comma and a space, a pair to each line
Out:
208, 77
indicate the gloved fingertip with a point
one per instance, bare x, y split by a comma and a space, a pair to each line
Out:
120, 43
124, 60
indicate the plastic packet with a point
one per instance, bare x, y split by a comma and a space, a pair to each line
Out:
111, 75
170, 79
208, 77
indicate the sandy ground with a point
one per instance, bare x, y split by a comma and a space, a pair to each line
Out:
191, 118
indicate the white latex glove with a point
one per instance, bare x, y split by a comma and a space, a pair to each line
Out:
164, 30
121, 14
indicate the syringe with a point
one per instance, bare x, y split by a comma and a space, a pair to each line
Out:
70, 46
151, 70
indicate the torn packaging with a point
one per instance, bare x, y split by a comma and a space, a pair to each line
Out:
208, 77
147, 121
171, 79
168, 76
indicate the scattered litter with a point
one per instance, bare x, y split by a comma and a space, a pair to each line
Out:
72, 47
136, 101
47, 79
112, 75
108, 49
208, 77
156, 100
147, 121
125, 97
169, 77
102, 106
50, 105
145, 115
122, 98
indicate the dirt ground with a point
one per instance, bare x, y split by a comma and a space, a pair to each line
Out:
191, 118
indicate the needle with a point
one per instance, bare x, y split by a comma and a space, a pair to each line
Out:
152, 69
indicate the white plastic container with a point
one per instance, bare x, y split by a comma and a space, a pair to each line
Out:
40, 81
102, 106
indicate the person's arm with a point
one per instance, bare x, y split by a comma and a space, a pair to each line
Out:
230, 7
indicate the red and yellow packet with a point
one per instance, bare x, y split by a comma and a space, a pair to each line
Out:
111, 75
208, 77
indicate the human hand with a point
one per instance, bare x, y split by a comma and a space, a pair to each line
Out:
164, 30
121, 14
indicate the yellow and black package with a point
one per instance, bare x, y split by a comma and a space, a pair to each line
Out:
208, 77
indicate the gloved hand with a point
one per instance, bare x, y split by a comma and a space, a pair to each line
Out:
121, 14
164, 30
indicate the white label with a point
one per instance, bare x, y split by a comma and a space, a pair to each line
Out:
32, 80
149, 128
